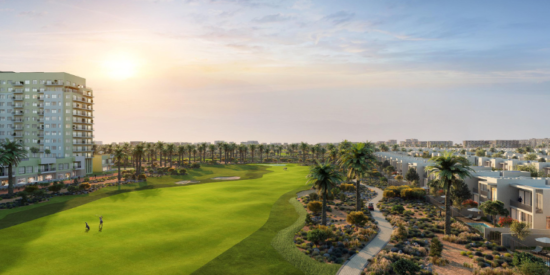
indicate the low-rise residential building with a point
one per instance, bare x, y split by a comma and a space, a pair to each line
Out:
432, 144
103, 163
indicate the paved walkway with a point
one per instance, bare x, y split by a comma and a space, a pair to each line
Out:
359, 261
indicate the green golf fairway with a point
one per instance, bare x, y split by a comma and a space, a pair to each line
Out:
174, 230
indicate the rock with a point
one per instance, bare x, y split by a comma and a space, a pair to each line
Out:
394, 249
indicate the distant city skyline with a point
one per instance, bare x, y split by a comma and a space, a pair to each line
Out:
294, 70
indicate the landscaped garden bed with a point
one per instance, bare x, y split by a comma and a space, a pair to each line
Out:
346, 232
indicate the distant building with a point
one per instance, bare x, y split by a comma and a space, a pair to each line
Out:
250, 142
391, 142
133, 143
439, 144
218, 142
492, 143
97, 142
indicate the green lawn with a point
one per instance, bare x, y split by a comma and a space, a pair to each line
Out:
151, 229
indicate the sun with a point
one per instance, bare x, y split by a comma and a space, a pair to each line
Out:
120, 66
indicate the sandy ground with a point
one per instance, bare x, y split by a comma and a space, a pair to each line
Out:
187, 182
227, 178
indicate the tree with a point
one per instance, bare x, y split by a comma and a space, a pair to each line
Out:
460, 192
436, 247
118, 155
480, 153
542, 160
324, 177
138, 153
357, 161
405, 267
357, 218
261, 149
11, 154
531, 156
384, 148
315, 207
446, 168
412, 175
252, 149
171, 148
304, 148
520, 229
494, 208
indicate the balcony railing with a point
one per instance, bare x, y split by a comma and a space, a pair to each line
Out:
18, 83
521, 206
46, 170
484, 193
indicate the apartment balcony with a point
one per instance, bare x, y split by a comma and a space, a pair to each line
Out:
46, 170
81, 136
18, 106
81, 129
18, 83
18, 120
84, 143
475, 190
40, 135
81, 114
18, 91
484, 193
538, 210
17, 135
521, 206
82, 150
53, 83
17, 98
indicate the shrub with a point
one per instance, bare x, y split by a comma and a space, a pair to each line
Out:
523, 257
347, 187
519, 229
142, 177
436, 247
505, 221
313, 197
404, 267
71, 188
56, 187
469, 203
398, 208
84, 185
86, 179
399, 177
195, 165
357, 218
317, 236
533, 268
31, 188
315, 206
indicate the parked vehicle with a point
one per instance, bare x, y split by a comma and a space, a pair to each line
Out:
371, 207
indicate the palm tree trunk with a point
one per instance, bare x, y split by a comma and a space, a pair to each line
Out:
358, 197
10, 180
324, 215
448, 210
119, 176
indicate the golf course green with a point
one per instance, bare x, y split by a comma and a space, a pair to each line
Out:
160, 227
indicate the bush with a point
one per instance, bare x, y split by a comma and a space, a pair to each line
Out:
523, 257
357, 218
317, 236
56, 187
195, 166
315, 206
505, 221
532, 268
404, 267
84, 185
398, 208
72, 188
436, 247
313, 197
31, 188
86, 179
347, 187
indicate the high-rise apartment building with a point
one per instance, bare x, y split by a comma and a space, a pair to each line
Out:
51, 115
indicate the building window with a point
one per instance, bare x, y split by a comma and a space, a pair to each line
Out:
539, 201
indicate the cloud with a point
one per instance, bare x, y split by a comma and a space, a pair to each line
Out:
33, 13
339, 17
273, 18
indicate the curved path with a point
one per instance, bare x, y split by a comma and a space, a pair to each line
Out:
359, 261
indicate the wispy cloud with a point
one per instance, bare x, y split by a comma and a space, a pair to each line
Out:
32, 13
339, 17
273, 18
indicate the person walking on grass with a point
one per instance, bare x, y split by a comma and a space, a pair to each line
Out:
100, 222
87, 226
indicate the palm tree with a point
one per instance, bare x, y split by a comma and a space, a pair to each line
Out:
159, 146
170, 149
358, 160
252, 149
446, 169
139, 151
118, 155
212, 149
225, 150
245, 152
220, 147
261, 148
304, 147
11, 154
190, 148
204, 148
324, 177
181, 152
384, 148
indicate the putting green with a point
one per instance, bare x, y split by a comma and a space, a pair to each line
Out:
158, 231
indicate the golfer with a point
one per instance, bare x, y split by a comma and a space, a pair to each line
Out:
100, 221
87, 226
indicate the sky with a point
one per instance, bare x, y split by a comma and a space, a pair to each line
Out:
294, 70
